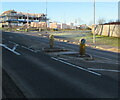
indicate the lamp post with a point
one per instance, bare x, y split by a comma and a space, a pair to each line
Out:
46, 16
94, 24
27, 21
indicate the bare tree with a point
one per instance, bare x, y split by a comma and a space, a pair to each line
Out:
101, 21
110, 21
90, 22
118, 20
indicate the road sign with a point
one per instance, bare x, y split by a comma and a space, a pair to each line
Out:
83, 41
82, 47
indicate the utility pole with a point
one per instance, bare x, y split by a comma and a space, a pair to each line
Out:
46, 16
94, 24
27, 19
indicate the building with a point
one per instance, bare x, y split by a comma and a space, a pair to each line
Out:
12, 18
62, 26
54, 25
83, 26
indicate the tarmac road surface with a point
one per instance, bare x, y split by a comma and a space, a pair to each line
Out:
39, 75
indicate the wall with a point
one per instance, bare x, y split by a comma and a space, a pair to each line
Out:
112, 30
38, 24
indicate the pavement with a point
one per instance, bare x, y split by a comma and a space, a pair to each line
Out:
41, 75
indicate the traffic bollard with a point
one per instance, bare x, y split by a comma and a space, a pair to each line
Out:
82, 47
26, 30
51, 41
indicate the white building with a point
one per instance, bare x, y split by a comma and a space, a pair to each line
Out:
13, 18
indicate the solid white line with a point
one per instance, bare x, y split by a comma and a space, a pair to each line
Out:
10, 49
110, 70
76, 66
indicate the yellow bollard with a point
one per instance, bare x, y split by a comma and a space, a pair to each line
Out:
82, 47
51, 41
26, 29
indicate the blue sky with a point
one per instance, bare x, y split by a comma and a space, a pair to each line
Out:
80, 12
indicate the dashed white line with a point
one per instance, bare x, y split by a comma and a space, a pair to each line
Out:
63, 58
76, 66
10, 49
110, 70
22, 47
13, 42
28, 49
102, 57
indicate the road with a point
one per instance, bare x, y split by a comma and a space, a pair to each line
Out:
39, 75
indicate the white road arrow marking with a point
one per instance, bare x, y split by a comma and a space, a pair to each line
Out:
3, 45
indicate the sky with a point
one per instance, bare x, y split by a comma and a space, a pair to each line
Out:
68, 12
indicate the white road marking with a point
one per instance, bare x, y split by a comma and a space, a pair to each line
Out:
103, 57
104, 62
63, 58
10, 49
28, 49
115, 62
22, 47
110, 70
76, 66
13, 42
14, 47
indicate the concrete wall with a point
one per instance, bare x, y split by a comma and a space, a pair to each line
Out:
38, 24
112, 30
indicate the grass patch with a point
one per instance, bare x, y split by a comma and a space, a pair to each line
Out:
100, 40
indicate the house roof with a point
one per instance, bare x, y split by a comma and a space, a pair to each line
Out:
30, 14
118, 23
23, 13
9, 11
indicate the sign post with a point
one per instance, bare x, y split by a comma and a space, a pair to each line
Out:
82, 47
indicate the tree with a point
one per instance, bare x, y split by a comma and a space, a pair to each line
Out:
101, 21
118, 20
110, 21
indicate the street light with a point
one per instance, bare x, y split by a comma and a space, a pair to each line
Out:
27, 19
94, 24
46, 16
